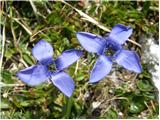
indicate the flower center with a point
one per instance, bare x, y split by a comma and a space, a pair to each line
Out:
52, 67
109, 51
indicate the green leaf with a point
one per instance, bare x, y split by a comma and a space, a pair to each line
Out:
137, 103
144, 85
110, 114
80, 78
4, 105
78, 109
146, 6
9, 52
149, 96
28, 59
7, 77
118, 92
27, 103
136, 107
54, 18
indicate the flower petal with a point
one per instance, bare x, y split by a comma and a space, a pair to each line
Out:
120, 33
43, 52
90, 42
101, 68
63, 82
129, 60
33, 75
67, 58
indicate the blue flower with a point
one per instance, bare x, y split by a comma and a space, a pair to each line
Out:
40, 72
98, 44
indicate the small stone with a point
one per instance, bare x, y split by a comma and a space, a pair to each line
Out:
5, 95
95, 105
120, 114
110, 91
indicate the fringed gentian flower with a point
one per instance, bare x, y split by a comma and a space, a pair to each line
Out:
39, 73
98, 44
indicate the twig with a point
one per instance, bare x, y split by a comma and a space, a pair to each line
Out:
90, 19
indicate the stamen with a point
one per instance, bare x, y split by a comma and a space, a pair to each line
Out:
109, 51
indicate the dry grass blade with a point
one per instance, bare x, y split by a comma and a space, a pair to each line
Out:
35, 9
10, 85
29, 31
26, 28
3, 44
90, 19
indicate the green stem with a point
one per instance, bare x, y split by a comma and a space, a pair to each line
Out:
69, 104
